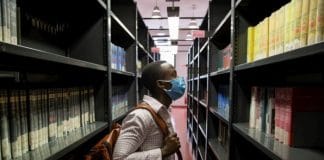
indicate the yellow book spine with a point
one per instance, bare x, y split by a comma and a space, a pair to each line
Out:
312, 22
280, 37
304, 23
250, 44
297, 23
287, 26
256, 42
272, 34
319, 21
266, 38
259, 42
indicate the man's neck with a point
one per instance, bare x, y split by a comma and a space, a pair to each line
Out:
162, 99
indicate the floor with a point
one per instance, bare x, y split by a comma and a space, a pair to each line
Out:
179, 115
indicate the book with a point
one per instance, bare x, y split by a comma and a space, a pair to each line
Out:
40, 129
92, 105
304, 23
297, 105
14, 124
319, 33
1, 25
5, 132
23, 121
13, 21
287, 30
312, 22
270, 112
297, 23
5, 23
252, 119
272, 34
59, 106
280, 38
66, 111
52, 116
33, 123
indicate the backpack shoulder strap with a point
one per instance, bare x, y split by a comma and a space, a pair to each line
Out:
157, 118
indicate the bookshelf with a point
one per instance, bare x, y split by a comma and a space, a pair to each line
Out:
73, 53
228, 83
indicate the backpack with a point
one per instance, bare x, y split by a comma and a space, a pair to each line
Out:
104, 148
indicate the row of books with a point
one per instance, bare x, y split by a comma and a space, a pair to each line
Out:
119, 101
118, 58
223, 100
293, 115
297, 24
223, 59
32, 118
8, 21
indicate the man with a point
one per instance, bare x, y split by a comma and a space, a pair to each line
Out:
140, 137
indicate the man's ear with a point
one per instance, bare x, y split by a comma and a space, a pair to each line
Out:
163, 84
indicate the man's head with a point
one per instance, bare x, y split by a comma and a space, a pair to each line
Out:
153, 77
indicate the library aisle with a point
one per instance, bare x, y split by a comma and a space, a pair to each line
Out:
179, 115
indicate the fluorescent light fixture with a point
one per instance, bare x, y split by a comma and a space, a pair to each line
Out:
173, 21
173, 27
193, 24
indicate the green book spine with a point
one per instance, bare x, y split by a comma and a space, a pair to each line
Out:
5, 144
24, 121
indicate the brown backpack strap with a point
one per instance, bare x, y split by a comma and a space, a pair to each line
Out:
159, 121
157, 118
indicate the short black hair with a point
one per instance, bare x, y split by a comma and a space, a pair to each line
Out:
151, 73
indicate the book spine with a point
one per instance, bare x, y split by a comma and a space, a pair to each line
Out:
5, 132
270, 111
297, 23
304, 23
319, 21
23, 121
32, 120
15, 134
45, 114
1, 24
13, 21
65, 112
287, 26
92, 104
70, 97
39, 118
281, 31
51, 116
272, 34
87, 106
250, 43
312, 22
59, 113
82, 107
8, 10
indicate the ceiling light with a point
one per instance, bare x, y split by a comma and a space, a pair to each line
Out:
193, 23
161, 33
156, 11
189, 36
173, 21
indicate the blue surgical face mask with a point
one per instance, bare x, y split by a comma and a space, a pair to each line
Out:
178, 88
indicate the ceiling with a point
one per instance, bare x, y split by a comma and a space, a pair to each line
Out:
186, 10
